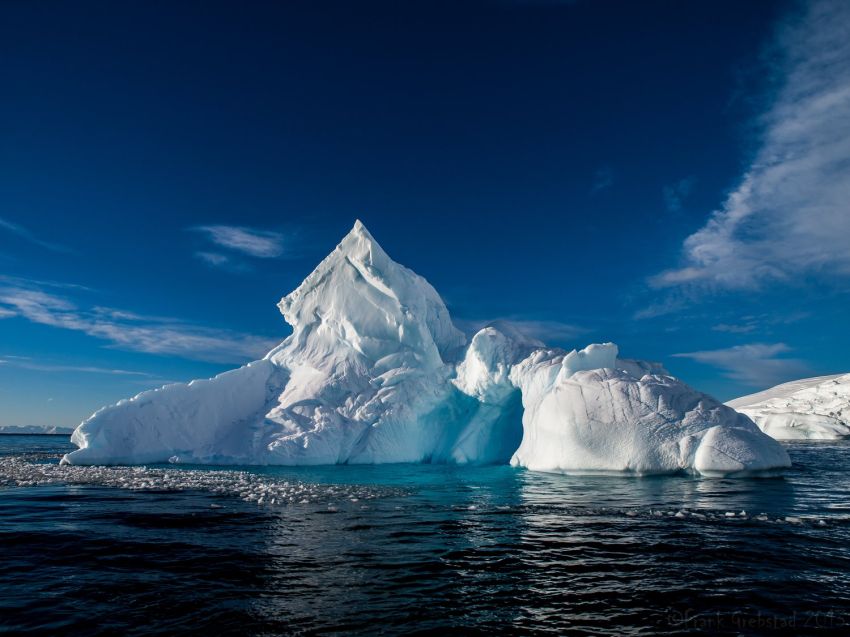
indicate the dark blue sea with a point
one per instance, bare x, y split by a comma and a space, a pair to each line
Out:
402, 549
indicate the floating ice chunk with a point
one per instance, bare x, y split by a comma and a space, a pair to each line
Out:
24, 471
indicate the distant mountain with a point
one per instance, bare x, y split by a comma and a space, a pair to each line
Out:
36, 429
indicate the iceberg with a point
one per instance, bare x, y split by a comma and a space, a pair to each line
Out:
375, 372
590, 412
807, 409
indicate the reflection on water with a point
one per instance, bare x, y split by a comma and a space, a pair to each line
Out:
437, 548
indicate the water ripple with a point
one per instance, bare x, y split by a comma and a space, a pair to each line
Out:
422, 550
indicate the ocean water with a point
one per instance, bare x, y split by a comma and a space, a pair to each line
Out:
402, 549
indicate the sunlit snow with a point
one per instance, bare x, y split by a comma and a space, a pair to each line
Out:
811, 408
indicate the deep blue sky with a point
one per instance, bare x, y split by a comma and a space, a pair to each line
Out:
538, 161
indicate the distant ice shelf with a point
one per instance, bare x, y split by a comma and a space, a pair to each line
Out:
807, 409
35, 429
375, 372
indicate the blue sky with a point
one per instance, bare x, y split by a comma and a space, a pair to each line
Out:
673, 177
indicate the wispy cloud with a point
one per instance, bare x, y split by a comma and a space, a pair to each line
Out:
154, 383
755, 364
602, 180
131, 331
540, 330
41, 283
731, 328
660, 308
675, 194
262, 244
25, 234
20, 363
766, 322
789, 216
222, 261
213, 258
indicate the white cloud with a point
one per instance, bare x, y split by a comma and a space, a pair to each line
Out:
127, 330
541, 330
602, 179
20, 363
756, 364
263, 244
223, 262
213, 258
41, 283
790, 214
731, 328
22, 232
676, 193
660, 308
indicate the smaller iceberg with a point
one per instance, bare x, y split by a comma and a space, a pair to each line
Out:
807, 409
589, 411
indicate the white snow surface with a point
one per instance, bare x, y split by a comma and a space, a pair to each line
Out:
588, 412
375, 372
807, 409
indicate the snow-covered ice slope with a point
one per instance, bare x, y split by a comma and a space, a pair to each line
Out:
588, 411
376, 372
370, 360
205, 421
811, 408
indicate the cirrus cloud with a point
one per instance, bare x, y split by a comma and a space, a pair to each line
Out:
789, 215
262, 244
25, 234
543, 331
131, 331
754, 364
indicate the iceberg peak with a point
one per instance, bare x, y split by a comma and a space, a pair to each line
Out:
360, 227
359, 241
358, 297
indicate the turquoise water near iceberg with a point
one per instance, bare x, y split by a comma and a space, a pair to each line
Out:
408, 549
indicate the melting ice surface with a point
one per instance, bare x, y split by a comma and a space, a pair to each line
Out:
375, 372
